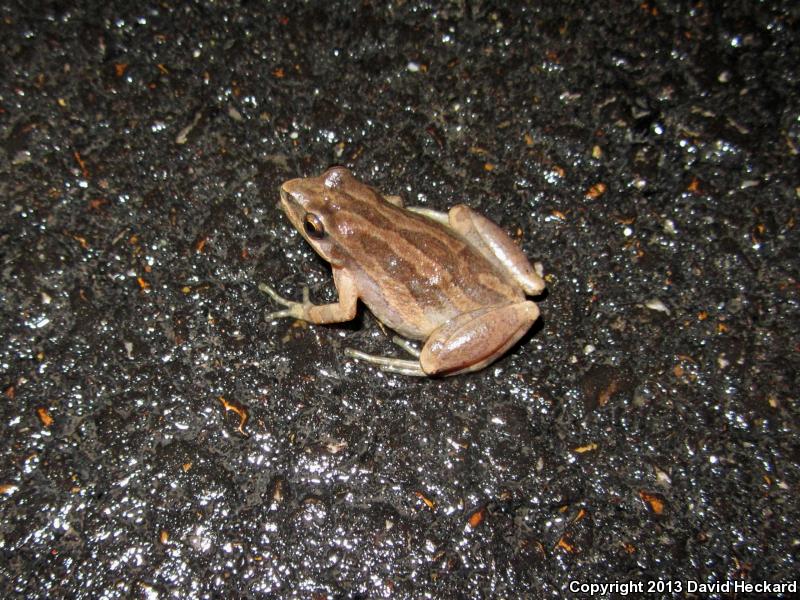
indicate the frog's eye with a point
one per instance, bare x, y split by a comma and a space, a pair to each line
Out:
314, 227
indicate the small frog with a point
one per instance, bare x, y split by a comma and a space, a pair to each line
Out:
454, 280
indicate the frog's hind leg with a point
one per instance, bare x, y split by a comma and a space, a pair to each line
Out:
491, 241
390, 365
475, 339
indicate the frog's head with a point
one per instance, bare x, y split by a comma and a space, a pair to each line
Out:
315, 207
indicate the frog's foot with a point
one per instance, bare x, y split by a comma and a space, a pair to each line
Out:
298, 310
390, 365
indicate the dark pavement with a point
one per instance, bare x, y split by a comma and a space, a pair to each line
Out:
646, 430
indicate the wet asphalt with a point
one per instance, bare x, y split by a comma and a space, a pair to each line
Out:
161, 438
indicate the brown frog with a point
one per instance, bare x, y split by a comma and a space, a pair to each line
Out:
454, 280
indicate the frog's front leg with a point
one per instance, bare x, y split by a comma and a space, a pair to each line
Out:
338, 312
472, 340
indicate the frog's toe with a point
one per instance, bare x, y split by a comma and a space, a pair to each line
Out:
277, 297
278, 314
271, 293
293, 309
407, 346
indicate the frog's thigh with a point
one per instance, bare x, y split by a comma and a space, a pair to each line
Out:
495, 245
473, 340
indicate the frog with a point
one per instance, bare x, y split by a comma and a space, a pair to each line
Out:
454, 281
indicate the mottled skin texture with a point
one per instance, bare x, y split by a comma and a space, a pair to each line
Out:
455, 280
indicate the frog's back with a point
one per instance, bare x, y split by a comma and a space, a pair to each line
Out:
415, 274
